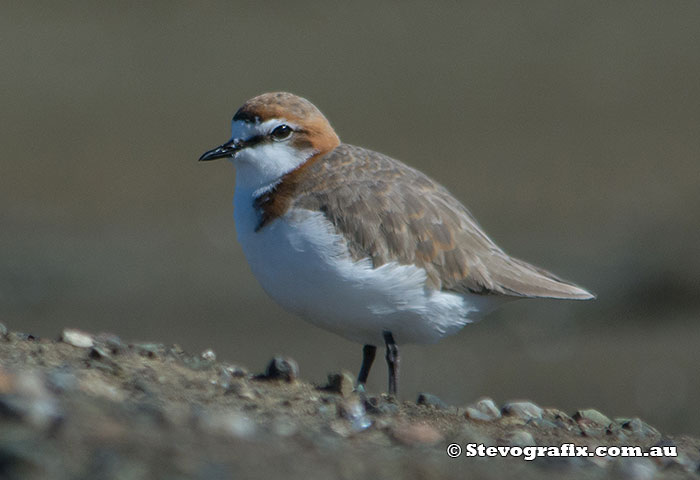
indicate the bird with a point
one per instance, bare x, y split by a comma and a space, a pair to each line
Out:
359, 243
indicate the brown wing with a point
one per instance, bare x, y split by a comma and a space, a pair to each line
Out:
388, 211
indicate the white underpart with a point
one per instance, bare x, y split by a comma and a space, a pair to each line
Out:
304, 265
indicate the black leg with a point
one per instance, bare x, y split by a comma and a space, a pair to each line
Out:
368, 352
392, 361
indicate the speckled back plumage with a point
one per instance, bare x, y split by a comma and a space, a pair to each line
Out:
388, 211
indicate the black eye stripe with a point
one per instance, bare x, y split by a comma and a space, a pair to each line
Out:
258, 139
251, 142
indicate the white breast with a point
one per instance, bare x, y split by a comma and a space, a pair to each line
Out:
305, 266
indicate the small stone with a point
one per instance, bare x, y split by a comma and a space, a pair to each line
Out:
542, 423
281, 368
100, 359
235, 371
98, 353
412, 434
21, 336
176, 351
430, 400
522, 409
593, 416
209, 355
3, 330
340, 428
111, 342
150, 350
474, 414
638, 428
380, 406
342, 383
354, 411
614, 431
77, 338
520, 438
224, 380
590, 429
241, 390
484, 410
560, 419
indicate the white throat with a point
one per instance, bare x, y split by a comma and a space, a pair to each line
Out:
260, 167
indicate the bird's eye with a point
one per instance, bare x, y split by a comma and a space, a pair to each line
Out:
281, 132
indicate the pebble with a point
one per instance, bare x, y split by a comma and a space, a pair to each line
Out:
235, 371
241, 390
340, 428
639, 428
560, 419
520, 438
281, 368
98, 353
208, 355
543, 424
413, 434
342, 383
591, 429
379, 406
354, 411
484, 410
522, 409
150, 350
21, 336
430, 400
111, 342
593, 416
614, 431
224, 379
77, 338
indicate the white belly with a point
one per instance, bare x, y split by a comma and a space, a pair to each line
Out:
304, 265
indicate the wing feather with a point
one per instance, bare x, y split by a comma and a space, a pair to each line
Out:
388, 211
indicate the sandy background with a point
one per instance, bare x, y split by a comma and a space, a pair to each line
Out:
572, 131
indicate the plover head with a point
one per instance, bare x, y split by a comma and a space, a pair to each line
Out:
273, 134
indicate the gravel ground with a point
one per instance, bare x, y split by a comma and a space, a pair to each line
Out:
93, 406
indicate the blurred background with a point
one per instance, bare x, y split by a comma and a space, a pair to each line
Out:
570, 129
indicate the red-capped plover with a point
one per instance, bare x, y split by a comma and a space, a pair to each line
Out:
359, 243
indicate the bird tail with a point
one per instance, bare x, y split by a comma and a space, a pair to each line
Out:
518, 278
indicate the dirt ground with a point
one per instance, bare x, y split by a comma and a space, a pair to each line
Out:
93, 406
